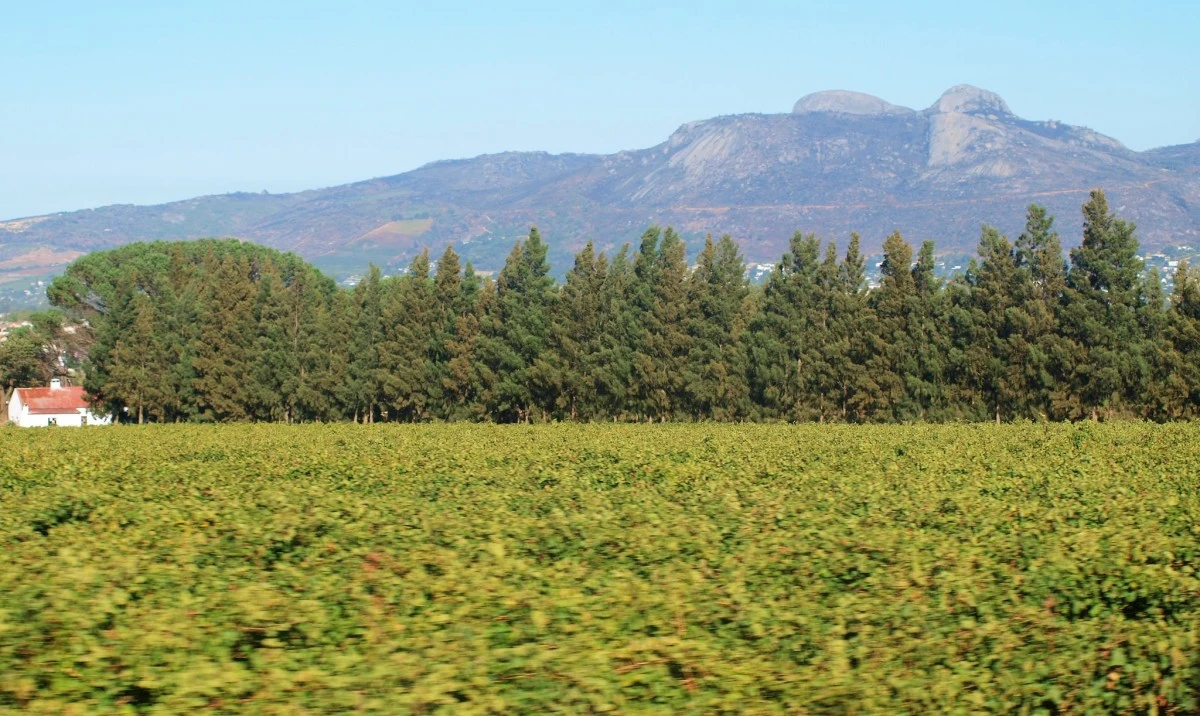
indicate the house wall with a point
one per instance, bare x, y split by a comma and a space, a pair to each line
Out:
19, 415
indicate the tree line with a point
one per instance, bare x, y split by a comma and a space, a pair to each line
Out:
219, 330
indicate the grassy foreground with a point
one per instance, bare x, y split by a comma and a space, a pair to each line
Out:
635, 569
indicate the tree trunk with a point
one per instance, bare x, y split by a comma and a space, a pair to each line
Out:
140, 413
997, 412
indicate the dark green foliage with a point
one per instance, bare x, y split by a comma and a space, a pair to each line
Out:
515, 333
788, 333
1181, 387
567, 374
715, 372
1040, 349
995, 345
220, 330
24, 361
893, 350
411, 319
203, 330
659, 302
1099, 316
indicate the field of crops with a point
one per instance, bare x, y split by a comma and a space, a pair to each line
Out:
629, 569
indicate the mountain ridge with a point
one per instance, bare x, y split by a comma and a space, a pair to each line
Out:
840, 161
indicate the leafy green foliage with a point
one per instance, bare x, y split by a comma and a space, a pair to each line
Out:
713, 569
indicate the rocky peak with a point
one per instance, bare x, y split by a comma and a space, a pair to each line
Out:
968, 99
845, 102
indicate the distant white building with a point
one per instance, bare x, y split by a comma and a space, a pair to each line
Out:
56, 405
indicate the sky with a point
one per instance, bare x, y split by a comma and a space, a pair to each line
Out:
146, 102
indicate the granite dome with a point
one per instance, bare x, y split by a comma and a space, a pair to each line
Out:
846, 102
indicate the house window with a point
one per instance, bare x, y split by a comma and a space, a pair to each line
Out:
83, 420
51, 422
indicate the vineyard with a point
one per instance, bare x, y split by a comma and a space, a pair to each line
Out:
609, 568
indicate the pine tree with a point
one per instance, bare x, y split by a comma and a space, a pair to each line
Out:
517, 330
226, 351
621, 333
113, 324
991, 356
1042, 277
715, 372
787, 334
928, 316
290, 306
135, 372
893, 357
410, 319
275, 378
1099, 314
666, 342
850, 336
365, 372
467, 374
641, 397
826, 350
449, 305
333, 355
567, 372
1157, 397
178, 307
1182, 390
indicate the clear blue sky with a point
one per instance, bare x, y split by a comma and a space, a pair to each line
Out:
144, 102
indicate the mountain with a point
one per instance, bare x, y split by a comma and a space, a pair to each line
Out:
840, 161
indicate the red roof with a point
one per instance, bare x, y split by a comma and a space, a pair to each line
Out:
50, 401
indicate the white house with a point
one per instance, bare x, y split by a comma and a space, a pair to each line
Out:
56, 405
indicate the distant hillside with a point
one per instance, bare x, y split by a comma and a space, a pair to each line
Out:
840, 161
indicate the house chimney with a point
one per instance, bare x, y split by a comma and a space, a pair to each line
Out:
55, 384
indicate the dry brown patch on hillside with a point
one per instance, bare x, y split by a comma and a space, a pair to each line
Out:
396, 231
21, 224
42, 257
